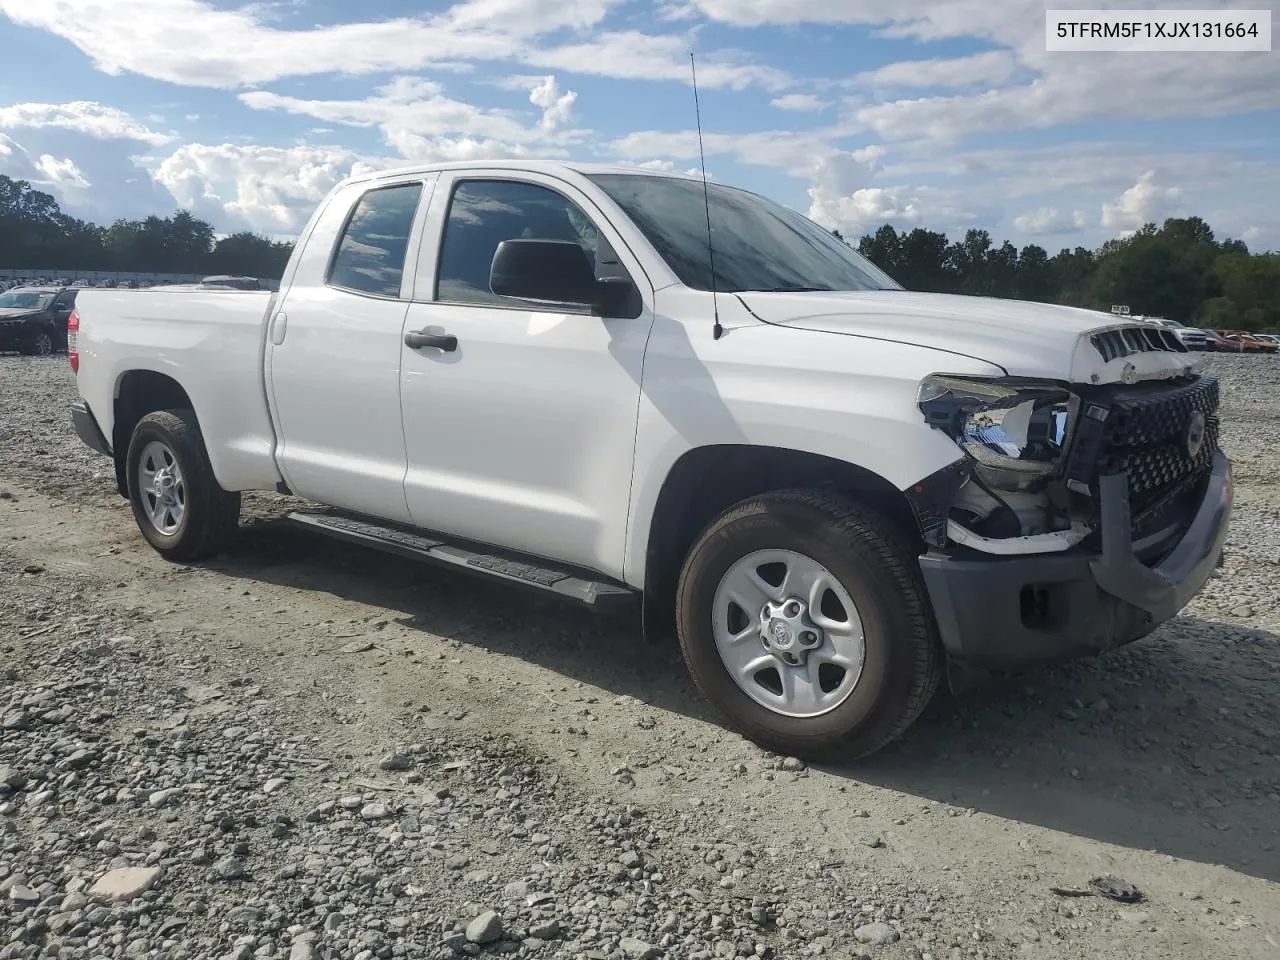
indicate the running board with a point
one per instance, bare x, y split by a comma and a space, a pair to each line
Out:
418, 546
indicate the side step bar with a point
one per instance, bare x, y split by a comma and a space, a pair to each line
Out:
418, 546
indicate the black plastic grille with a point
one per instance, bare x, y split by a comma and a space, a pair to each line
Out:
1142, 432
1153, 469
1127, 341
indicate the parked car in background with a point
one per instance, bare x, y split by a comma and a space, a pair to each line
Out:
1249, 343
1220, 344
33, 320
1269, 338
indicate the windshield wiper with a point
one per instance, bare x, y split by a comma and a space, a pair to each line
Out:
794, 288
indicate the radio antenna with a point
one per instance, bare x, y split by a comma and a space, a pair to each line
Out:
718, 330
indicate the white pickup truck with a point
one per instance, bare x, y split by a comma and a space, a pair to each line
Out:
831, 488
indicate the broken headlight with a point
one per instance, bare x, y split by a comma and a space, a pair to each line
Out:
1016, 434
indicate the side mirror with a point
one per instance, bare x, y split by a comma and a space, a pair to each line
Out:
556, 271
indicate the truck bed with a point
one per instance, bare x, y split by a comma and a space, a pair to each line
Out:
209, 340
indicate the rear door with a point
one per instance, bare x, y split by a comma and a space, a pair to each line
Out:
334, 349
61, 309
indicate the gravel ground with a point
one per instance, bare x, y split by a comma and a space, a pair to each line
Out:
304, 750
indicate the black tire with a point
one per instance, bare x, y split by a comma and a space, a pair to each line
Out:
39, 345
903, 658
210, 515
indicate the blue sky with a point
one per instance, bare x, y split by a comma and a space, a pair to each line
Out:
946, 114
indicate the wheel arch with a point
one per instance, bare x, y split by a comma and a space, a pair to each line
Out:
138, 393
706, 481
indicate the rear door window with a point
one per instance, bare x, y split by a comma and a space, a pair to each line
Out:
370, 254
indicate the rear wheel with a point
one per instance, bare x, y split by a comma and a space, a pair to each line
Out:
40, 345
803, 619
177, 502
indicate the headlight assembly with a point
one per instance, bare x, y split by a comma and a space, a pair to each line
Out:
1016, 433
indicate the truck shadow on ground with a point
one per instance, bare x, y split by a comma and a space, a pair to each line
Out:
1169, 745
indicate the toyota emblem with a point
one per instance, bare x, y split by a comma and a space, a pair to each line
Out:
1195, 434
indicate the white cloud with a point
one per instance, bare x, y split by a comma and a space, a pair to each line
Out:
1144, 202
410, 110
82, 116
991, 67
63, 173
630, 55
799, 102
905, 206
1050, 220
1059, 88
194, 43
271, 189
793, 151
557, 107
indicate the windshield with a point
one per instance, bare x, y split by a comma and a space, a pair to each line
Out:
757, 244
25, 300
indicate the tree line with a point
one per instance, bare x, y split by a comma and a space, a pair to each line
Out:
1179, 271
35, 234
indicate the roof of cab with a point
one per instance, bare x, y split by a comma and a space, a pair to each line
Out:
526, 166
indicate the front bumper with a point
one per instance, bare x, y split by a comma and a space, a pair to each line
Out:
87, 429
1006, 612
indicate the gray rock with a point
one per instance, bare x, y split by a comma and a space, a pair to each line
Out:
302, 950
161, 797
322, 812
229, 868
877, 934
485, 928
79, 760
1244, 610
274, 784
395, 762
21, 893
631, 859
637, 949
793, 764
125, 884
375, 811
16, 720
873, 841
545, 930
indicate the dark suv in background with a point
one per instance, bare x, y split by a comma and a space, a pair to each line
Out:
33, 320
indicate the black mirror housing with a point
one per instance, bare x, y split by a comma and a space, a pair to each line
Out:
555, 271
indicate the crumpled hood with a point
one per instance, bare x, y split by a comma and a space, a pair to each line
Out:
19, 313
1026, 339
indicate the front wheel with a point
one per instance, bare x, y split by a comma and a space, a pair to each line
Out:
179, 506
803, 619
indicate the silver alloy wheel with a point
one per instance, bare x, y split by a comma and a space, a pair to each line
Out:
789, 633
160, 483
44, 345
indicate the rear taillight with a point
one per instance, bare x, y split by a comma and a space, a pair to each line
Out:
73, 341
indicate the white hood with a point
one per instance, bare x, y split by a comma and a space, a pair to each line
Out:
1026, 339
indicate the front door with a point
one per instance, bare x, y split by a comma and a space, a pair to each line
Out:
334, 347
522, 434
